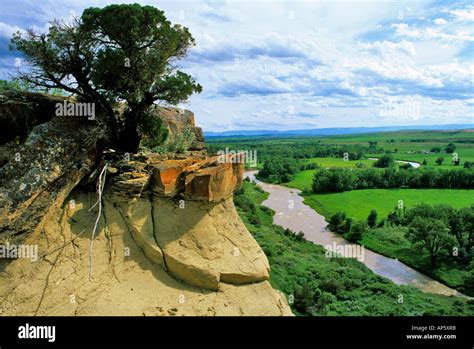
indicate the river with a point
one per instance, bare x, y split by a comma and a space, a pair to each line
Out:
292, 213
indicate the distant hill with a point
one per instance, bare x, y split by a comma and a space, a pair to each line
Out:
336, 130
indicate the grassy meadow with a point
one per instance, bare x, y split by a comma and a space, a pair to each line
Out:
359, 203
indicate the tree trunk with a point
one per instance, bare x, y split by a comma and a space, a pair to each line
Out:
129, 139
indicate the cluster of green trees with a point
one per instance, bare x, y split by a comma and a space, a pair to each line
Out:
350, 228
385, 161
246, 205
444, 232
449, 148
341, 179
439, 228
279, 170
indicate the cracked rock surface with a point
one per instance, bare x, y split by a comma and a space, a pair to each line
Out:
169, 241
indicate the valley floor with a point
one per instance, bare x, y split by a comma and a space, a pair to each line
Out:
333, 286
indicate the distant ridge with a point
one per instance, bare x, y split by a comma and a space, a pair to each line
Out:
337, 130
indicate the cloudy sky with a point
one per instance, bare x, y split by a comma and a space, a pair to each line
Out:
307, 64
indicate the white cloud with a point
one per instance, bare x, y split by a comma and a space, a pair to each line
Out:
403, 29
6, 30
321, 61
464, 14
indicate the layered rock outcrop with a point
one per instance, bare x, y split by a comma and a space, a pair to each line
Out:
192, 219
168, 241
176, 120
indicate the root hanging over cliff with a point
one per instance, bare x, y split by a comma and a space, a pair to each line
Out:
100, 189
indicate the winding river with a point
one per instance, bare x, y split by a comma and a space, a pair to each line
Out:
292, 213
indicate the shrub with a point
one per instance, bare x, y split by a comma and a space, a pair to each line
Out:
372, 219
336, 221
357, 229
385, 161
450, 148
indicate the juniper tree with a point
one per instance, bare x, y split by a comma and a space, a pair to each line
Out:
119, 53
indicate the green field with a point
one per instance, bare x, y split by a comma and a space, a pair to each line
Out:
338, 162
303, 179
410, 145
358, 203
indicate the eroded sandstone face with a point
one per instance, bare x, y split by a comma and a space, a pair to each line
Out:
40, 174
168, 240
191, 219
176, 120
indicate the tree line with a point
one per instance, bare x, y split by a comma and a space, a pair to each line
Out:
341, 179
445, 233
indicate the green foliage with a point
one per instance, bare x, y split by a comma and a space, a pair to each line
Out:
450, 148
351, 229
385, 161
357, 230
439, 161
179, 144
432, 233
406, 166
333, 180
278, 171
338, 223
459, 222
437, 240
469, 280
14, 84
341, 179
372, 219
403, 145
21, 85
153, 130
373, 144
300, 148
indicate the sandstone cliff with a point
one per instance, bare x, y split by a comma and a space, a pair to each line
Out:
169, 240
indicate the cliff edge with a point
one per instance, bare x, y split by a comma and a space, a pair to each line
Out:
168, 238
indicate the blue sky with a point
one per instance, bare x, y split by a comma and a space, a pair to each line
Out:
307, 64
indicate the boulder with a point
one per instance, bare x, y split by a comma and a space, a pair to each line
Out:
176, 120
205, 244
21, 111
167, 177
39, 178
